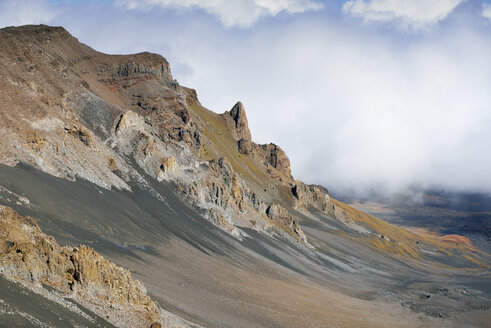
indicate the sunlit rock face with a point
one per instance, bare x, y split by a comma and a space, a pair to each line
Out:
90, 115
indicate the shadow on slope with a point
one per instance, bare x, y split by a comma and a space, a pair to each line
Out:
201, 273
22, 308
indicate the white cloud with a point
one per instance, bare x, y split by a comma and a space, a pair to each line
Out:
486, 10
416, 14
21, 12
242, 13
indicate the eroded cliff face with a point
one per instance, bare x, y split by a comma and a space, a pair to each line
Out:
80, 273
74, 112
114, 120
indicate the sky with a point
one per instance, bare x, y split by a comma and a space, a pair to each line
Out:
362, 95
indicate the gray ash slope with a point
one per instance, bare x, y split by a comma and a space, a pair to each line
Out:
156, 240
22, 308
111, 152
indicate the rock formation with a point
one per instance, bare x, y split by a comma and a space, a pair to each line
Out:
240, 124
27, 254
89, 113
274, 156
280, 215
312, 197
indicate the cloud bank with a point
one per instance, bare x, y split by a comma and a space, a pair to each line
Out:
242, 13
416, 14
486, 10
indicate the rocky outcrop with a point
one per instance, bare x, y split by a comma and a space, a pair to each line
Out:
27, 254
80, 133
239, 127
240, 124
244, 147
308, 197
169, 165
128, 120
138, 65
280, 215
275, 157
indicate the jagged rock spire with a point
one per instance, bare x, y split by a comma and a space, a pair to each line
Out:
238, 114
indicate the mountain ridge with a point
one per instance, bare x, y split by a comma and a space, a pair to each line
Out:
110, 150
177, 122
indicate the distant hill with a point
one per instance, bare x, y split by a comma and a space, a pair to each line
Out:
443, 212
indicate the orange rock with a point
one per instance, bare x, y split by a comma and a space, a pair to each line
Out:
458, 239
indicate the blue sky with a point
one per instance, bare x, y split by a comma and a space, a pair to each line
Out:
363, 94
